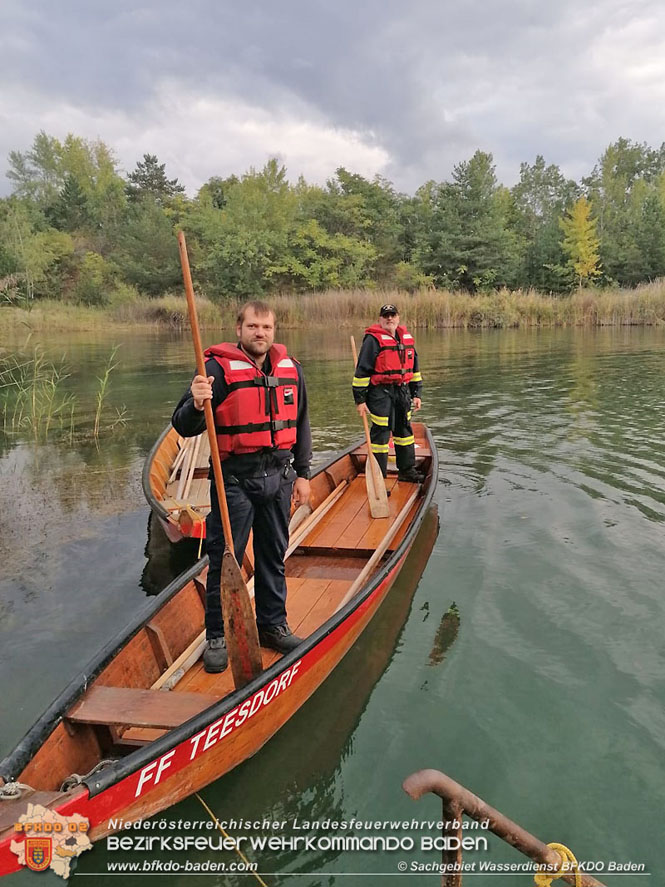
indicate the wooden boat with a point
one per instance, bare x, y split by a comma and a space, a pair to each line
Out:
149, 726
176, 485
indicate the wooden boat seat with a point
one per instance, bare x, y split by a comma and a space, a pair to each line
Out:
130, 707
199, 492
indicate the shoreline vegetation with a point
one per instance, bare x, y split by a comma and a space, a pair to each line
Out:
426, 309
465, 251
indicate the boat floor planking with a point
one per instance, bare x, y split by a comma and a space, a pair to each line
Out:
115, 713
182, 506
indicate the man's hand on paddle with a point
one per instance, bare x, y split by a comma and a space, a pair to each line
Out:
201, 389
300, 491
362, 409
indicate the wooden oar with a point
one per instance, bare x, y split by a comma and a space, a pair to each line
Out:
181, 455
298, 516
376, 485
184, 471
192, 467
242, 639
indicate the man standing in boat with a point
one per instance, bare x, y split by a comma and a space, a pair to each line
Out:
387, 385
259, 402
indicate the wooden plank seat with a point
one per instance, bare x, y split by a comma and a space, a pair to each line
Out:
130, 707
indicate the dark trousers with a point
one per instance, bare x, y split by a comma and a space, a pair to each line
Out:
262, 504
390, 410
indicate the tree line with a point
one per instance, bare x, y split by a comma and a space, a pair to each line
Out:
75, 228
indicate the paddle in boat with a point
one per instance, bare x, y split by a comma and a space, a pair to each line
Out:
146, 726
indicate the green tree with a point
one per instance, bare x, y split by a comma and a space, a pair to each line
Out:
49, 167
464, 236
580, 242
316, 260
650, 233
70, 212
215, 190
616, 187
369, 211
94, 280
37, 173
36, 254
541, 197
145, 251
149, 179
329, 244
245, 245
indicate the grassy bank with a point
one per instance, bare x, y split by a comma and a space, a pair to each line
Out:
55, 316
644, 305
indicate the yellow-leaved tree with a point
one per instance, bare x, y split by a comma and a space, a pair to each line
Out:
580, 242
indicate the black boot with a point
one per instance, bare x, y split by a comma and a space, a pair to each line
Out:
409, 475
278, 637
215, 657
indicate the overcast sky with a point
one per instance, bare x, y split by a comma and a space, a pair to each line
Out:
405, 90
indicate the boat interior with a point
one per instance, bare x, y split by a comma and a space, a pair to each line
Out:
157, 681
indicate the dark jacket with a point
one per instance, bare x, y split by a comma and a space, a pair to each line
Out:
369, 351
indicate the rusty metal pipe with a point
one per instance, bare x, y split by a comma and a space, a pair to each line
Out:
452, 792
452, 859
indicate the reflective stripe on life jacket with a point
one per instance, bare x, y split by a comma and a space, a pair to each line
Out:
394, 362
260, 411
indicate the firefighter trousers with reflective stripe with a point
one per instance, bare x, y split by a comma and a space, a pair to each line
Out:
262, 504
390, 410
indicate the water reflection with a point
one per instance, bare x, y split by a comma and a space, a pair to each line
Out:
164, 559
445, 635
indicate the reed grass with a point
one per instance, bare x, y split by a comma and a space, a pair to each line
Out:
102, 391
117, 316
500, 309
34, 401
169, 310
427, 308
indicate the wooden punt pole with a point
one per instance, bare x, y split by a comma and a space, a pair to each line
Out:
240, 631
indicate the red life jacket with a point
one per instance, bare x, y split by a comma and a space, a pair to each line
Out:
259, 410
394, 362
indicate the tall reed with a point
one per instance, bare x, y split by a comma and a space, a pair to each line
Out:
102, 393
33, 399
427, 308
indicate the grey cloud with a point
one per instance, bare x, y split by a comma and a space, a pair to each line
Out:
432, 81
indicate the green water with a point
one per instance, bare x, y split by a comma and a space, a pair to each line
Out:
548, 702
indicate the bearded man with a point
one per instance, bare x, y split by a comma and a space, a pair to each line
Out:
259, 402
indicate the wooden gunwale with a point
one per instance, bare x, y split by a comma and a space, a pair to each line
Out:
111, 791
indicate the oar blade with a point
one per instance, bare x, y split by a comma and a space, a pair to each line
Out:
242, 638
377, 494
301, 513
